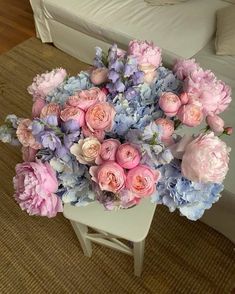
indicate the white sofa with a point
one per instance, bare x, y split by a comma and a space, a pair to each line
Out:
184, 30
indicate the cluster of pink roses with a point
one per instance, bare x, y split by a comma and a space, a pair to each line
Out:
189, 110
204, 96
117, 166
88, 107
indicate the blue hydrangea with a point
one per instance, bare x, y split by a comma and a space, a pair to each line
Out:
69, 87
177, 192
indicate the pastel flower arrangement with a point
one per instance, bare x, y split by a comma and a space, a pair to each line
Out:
109, 134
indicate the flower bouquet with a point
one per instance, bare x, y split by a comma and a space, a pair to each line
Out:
109, 134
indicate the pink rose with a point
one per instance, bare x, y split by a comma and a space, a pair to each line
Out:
184, 67
35, 186
73, 112
110, 176
37, 107
206, 159
99, 134
100, 116
142, 180
50, 109
190, 114
86, 98
45, 83
108, 151
127, 156
28, 153
167, 126
99, 76
146, 53
169, 103
86, 150
215, 123
25, 136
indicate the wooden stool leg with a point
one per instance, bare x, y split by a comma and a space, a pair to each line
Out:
138, 253
81, 231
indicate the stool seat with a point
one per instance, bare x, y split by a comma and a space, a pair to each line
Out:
131, 224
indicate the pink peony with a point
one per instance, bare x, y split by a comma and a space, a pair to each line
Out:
167, 127
37, 107
86, 150
190, 114
142, 180
214, 95
184, 67
28, 153
100, 116
45, 83
215, 123
169, 103
99, 134
108, 151
110, 176
35, 186
50, 109
25, 136
146, 53
99, 76
73, 112
128, 156
86, 98
206, 159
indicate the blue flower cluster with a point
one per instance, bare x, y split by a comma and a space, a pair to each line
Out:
138, 105
70, 87
74, 180
177, 192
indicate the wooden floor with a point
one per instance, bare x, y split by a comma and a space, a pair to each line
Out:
16, 23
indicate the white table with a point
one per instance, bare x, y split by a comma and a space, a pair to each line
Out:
131, 224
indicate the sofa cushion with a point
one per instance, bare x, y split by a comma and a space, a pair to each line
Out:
225, 34
180, 29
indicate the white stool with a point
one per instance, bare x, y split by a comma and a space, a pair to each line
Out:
131, 224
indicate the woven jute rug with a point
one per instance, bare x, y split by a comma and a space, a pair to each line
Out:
39, 255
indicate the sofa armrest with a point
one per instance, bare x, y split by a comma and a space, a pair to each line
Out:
40, 19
